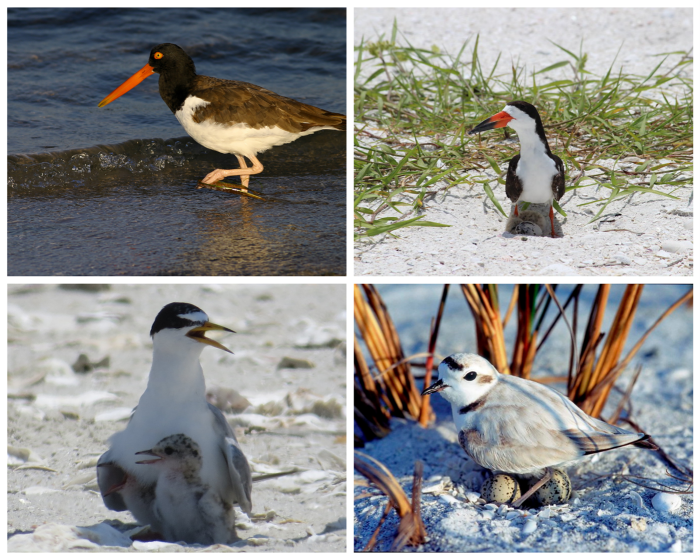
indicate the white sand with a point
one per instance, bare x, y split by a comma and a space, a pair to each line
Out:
49, 328
607, 513
639, 235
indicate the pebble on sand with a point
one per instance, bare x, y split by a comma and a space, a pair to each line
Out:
666, 502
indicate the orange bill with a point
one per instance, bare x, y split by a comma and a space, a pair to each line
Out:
131, 83
499, 120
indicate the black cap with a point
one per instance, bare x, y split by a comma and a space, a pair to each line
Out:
172, 317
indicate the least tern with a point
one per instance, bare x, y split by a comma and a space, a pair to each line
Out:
174, 403
516, 426
185, 507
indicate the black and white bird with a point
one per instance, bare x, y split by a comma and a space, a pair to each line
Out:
535, 175
174, 403
512, 425
185, 507
228, 116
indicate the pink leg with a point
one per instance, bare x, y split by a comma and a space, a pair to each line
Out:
244, 178
245, 172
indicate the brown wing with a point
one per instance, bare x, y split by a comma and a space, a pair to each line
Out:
514, 187
558, 187
241, 102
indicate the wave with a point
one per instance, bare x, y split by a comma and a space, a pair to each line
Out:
107, 164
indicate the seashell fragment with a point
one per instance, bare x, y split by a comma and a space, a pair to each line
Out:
529, 527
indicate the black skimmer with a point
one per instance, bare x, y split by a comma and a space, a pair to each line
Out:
535, 175
228, 116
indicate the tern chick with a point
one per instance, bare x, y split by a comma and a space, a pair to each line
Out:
185, 507
512, 425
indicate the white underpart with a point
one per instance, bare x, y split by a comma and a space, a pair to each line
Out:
238, 138
535, 168
174, 403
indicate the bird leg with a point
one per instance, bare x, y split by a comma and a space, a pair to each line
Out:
551, 219
245, 172
244, 178
535, 487
516, 209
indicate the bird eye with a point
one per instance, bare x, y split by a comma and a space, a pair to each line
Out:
158, 55
471, 376
168, 450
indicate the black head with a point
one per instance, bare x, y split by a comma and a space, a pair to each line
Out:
168, 57
526, 107
178, 315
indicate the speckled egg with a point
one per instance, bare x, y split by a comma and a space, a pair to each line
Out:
501, 488
556, 491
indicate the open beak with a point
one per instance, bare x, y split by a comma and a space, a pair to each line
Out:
198, 333
499, 120
436, 387
131, 83
149, 461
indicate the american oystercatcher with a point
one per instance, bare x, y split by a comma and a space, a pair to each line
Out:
535, 175
228, 116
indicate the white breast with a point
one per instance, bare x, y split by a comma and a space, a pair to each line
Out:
536, 171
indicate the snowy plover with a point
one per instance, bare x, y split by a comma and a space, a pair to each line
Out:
512, 425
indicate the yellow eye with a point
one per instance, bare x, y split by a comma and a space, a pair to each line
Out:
158, 55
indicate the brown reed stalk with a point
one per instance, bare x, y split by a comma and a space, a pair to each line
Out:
591, 340
526, 337
371, 417
392, 391
615, 343
426, 413
411, 530
490, 342
593, 400
382, 341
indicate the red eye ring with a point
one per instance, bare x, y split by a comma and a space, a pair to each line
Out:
158, 55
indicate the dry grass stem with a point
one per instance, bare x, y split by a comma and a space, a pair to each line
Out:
426, 414
393, 391
591, 400
490, 341
411, 530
